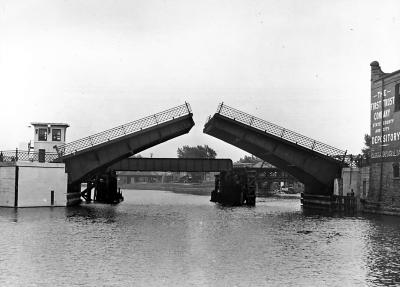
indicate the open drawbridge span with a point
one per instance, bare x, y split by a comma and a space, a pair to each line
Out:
313, 163
91, 155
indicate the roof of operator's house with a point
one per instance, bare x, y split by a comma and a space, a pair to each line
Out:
47, 124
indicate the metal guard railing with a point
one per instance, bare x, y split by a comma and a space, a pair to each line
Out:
356, 160
124, 130
22, 155
281, 132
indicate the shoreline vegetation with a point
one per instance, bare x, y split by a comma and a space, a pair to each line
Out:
203, 189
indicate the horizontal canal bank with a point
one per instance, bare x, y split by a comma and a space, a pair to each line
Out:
203, 188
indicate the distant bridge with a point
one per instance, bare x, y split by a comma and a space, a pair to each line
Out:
91, 155
313, 163
173, 164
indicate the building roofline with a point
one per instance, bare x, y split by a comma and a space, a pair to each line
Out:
51, 124
377, 74
387, 75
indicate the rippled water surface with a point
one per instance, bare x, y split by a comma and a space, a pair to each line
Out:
158, 238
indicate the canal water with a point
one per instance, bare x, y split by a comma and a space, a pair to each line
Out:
157, 238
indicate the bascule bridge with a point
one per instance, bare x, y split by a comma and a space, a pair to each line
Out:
313, 163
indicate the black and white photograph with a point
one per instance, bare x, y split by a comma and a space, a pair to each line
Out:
228, 143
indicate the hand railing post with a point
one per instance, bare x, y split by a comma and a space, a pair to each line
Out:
16, 154
187, 107
344, 156
220, 107
57, 150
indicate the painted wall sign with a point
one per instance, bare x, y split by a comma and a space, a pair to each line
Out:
385, 130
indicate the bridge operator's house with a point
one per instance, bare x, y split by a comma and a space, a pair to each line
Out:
384, 189
30, 178
47, 135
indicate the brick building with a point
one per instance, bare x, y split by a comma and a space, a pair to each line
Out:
384, 185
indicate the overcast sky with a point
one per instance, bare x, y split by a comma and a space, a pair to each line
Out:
97, 64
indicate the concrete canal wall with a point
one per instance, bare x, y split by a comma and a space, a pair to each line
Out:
356, 180
32, 184
7, 184
349, 194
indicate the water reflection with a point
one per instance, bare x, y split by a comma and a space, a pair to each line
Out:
382, 253
158, 238
9, 214
90, 213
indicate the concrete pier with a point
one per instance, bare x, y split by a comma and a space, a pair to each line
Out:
32, 184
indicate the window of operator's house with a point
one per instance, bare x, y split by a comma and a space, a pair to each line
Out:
43, 134
56, 135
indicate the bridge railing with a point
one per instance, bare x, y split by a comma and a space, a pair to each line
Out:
281, 132
123, 130
23, 155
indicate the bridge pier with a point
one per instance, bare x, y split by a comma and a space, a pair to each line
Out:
214, 193
236, 187
87, 193
106, 189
